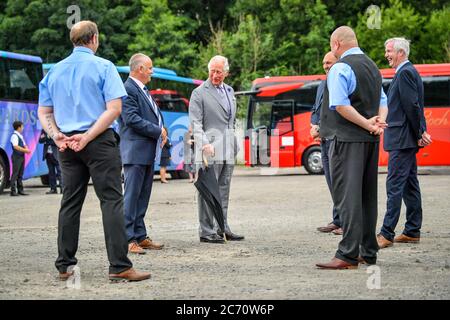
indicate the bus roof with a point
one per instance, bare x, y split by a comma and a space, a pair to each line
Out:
425, 70
159, 73
20, 56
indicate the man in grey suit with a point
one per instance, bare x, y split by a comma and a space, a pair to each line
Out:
212, 114
141, 126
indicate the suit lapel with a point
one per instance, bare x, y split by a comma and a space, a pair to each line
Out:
212, 90
231, 100
141, 92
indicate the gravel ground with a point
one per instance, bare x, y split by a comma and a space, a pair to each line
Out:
278, 214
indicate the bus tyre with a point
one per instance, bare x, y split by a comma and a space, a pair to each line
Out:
44, 180
312, 160
3, 175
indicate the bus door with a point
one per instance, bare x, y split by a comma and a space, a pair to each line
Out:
282, 147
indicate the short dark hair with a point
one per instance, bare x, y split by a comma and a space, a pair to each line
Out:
82, 32
17, 124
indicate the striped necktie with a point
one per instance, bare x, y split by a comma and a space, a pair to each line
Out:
154, 106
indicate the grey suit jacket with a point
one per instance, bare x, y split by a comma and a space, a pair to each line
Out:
211, 123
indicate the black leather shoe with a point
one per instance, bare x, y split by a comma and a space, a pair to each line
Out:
14, 194
213, 238
54, 191
234, 237
22, 193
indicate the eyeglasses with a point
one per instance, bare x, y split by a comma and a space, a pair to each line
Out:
218, 72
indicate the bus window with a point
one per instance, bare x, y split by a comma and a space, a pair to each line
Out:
436, 91
282, 116
21, 80
261, 113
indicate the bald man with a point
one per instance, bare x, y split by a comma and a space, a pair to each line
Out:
79, 99
141, 127
353, 118
328, 60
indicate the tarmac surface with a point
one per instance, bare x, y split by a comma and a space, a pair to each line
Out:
278, 214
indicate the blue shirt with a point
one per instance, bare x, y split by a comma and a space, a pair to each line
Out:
341, 82
78, 88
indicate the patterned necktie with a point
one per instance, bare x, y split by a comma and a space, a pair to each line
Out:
153, 104
224, 97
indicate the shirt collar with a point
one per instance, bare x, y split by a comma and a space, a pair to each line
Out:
139, 83
19, 134
354, 50
83, 49
401, 65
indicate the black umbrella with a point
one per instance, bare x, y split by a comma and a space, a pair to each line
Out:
208, 187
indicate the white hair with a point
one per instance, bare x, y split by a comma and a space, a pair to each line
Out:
137, 60
399, 44
226, 66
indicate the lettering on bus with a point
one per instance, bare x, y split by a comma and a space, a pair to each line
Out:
437, 120
8, 116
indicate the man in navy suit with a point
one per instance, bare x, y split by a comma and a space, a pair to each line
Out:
406, 132
141, 126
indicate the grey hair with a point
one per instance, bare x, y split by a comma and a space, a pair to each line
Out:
137, 60
226, 66
399, 44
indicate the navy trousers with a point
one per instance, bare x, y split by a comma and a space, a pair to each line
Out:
402, 184
325, 147
138, 188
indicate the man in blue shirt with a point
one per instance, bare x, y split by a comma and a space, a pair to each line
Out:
79, 99
353, 121
328, 60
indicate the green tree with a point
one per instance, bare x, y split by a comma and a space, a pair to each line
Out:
435, 42
397, 20
164, 37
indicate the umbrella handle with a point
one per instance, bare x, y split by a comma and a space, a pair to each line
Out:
205, 160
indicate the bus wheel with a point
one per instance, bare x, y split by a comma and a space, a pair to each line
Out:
312, 160
3, 178
44, 180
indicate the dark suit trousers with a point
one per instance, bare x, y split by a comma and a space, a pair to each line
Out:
325, 147
100, 159
138, 188
18, 164
354, 173
402, 183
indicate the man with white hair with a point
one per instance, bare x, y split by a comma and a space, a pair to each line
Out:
212, 114
141, 126
403, 137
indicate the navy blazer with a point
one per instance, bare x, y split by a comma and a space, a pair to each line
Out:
405, 119
139, 127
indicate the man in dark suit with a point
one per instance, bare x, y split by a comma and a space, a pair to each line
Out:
406, 132
328, 60
141, 127
50, 155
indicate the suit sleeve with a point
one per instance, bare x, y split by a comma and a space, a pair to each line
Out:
196, 118
133, 119
409, 98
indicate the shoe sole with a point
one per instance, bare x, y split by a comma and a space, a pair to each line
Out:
407, 241
118, 280
343, 268
137, 252
216, 242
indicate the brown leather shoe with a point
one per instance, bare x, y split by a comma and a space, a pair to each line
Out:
405, 239
133, 247
338, 232
150, 244
63, 276
383, 242
337, 264
129, 275
328, 228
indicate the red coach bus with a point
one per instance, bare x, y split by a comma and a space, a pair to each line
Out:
279, 113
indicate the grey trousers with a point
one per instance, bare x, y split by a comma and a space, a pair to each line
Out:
354, 171
208, 224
